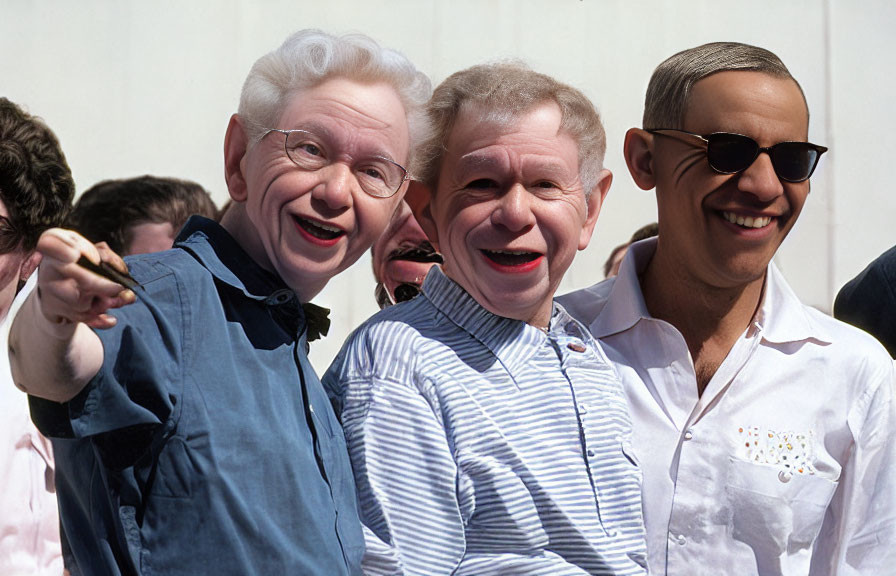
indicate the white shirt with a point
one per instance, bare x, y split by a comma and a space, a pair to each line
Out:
29, 519
786, 464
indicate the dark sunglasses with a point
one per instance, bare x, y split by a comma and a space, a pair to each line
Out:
732, 153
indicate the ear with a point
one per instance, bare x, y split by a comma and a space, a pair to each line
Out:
29, 265
638, 152
419, 198
236, 145
593, 203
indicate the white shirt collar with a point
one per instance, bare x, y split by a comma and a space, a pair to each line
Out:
625, 305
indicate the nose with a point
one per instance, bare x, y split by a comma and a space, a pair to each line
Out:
760, 180
335, 186
514, 210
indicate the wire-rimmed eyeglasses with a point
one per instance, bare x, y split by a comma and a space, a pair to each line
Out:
378, 176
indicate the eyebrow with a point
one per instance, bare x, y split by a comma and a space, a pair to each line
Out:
475, 161
327, 135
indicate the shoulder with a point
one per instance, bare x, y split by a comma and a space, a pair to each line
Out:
851, 348
585, 305
394, 344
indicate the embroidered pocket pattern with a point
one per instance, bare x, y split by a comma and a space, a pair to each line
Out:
792, 451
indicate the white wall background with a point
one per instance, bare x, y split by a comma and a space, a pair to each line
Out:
134, 87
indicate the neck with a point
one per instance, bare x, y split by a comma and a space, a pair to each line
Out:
710, 318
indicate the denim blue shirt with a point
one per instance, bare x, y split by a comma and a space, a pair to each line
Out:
205, 444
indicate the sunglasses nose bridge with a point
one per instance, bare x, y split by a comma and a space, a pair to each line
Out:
761, 177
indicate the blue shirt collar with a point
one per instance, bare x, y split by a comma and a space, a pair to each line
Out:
225, 259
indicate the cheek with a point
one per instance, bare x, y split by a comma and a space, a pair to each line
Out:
372, 218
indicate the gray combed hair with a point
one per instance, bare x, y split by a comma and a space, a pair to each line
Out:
501, 92
671, 83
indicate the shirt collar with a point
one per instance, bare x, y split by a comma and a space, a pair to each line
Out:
226, 260
513, 342
781, 316
625, 304
221, 255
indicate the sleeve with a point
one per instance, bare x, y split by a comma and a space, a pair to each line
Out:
406, 477
137, 387
858, 535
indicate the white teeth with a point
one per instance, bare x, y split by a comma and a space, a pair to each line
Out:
324, 226
748, 221
511, 252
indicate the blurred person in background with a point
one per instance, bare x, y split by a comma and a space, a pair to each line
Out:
611, 266
138, 215
36, 192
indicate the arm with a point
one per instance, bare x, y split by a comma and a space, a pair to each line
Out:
53, 351
406, 479
860, 527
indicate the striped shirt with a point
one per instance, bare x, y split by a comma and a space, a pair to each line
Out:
482, 445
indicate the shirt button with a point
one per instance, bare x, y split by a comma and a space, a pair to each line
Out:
576, 346
688, 434
785, 476
591, 453
583, 409
681, 540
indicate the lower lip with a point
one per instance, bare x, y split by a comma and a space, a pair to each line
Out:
516, 268
322, 242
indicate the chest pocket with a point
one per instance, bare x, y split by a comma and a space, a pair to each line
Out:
775, 511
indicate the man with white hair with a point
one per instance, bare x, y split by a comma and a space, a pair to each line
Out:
198, 438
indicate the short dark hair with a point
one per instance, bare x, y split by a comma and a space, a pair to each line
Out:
108, 211
36, 183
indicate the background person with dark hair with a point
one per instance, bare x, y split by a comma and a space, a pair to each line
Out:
36, 191
139, 215
869, 300
611, 266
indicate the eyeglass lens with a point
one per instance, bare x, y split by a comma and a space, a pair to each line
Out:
377, 176
731, 153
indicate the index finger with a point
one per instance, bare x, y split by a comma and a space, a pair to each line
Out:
66, 246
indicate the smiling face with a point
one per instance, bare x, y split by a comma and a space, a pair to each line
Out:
310, 225
723, 230
509, 212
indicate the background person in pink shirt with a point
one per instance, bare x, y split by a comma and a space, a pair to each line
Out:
36, 191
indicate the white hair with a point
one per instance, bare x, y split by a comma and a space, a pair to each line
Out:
310, 57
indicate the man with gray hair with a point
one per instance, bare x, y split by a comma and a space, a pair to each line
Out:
764, 427
197, 437
488, 432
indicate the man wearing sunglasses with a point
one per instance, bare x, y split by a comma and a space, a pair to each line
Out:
764, 428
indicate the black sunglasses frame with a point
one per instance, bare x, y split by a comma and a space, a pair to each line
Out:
708, 139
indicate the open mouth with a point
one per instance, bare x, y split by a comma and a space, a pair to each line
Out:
319, 230
747, 221
511, 258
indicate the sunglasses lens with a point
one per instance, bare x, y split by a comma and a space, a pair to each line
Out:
794, 161
730, 153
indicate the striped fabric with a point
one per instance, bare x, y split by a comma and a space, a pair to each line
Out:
482, 445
